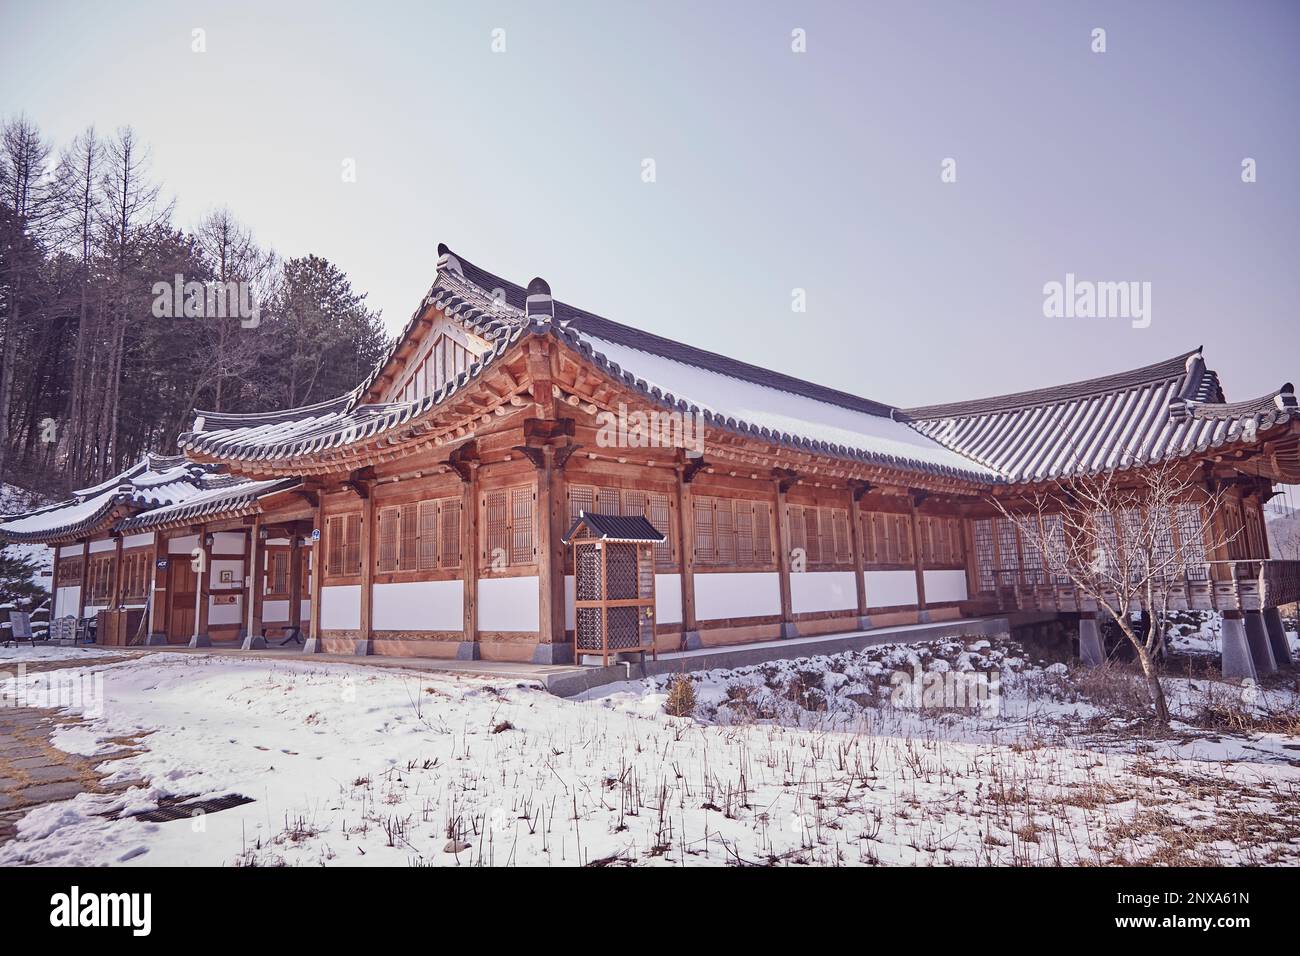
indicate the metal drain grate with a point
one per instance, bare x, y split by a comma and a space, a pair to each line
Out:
182, 808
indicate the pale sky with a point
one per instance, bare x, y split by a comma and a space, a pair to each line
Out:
775, 170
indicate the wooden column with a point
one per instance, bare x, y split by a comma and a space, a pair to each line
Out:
551, 640
54, 590
201, 637
686, 551
468, 648
914, 501
295, 577
856, 491
158, 605
784, 482
315, 643
115, 596
85, 578
363, 645
253, 639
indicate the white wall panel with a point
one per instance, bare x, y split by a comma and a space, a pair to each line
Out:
420, 606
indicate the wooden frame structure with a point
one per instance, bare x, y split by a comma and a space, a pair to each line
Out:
614, 584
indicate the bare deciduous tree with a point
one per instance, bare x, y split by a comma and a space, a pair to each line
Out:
1130, 543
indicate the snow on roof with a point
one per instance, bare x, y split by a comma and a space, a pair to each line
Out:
782, 411
152, 482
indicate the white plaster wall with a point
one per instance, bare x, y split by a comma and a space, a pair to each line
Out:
420, 606
304, 609
823, 591
275, 611
228, 542
70, 551
98, 546
508, 604
184, 545
137, 540
225, 613
668, 598
943, 586
340, 607
890, 588
65, 603
236, 569
737, 594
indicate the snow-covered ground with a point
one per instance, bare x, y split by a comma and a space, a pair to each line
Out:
948, 753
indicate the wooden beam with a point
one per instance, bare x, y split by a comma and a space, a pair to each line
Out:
686, 555
364, 645
469, 647
782, 483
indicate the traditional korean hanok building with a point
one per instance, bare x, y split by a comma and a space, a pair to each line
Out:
423, 512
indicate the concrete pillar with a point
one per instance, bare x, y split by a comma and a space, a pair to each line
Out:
1257, 638
1092, 649
1235, 654
1277, 637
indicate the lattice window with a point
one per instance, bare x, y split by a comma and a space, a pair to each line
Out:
509, 519
449, 532
843, 539
744, 530
658, 512
762, 511
705, 552
278, 572
1008, 551
888, 538
732, 532
1191, 539
343, 545
724, 531
428, 536
100, 580
334, 545
408, 552
135, 576
69, 572
390, 520
982, 532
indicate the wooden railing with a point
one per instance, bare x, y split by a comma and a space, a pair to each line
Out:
1213, 585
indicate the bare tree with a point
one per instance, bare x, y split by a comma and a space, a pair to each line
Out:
23, 154
1130, 543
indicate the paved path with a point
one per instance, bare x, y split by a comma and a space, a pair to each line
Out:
32, 770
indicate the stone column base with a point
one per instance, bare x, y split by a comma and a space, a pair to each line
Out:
553, 654
1277, 637
155, 640
1235, 656
200, 640
864, 623
691, 641
788, 629
467, 651
922, 616
1092, 649
253, 642
313, 645
363, 648
1260, 650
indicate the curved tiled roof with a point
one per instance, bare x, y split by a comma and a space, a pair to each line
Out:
725, 393
1174, 407
1171, 409
131, 500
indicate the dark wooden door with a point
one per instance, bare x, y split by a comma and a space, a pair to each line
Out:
181, 584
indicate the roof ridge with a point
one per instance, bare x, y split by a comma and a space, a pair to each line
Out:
589, 323
1165, 370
